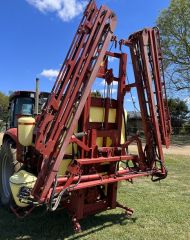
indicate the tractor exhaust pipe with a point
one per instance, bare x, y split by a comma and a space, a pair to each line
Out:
37, 96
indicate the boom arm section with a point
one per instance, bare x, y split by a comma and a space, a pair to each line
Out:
59, 118
148, 70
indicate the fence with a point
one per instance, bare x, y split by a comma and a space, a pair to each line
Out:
179, 136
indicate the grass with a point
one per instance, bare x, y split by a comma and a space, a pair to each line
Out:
162, 211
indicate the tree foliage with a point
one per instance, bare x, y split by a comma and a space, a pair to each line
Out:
174, 24
96, 94
4, 101
179, 113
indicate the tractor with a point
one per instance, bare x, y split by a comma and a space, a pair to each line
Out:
20, 103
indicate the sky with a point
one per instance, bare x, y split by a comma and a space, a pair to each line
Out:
35, 36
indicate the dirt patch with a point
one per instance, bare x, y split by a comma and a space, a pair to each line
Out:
178, 150
173, 149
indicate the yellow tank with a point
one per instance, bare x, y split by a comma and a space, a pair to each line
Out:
18, 180
25, 130
96, 115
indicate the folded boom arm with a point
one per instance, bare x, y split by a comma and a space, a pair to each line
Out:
56, 124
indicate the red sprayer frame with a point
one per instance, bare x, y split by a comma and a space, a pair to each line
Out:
89, 184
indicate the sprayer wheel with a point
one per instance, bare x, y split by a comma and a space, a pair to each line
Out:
8, 166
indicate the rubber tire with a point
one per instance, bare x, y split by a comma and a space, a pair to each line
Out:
8, 166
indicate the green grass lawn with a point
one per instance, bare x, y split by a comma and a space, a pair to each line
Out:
162, 211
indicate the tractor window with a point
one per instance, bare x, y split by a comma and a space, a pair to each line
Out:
11, 114
27, 109
24, 106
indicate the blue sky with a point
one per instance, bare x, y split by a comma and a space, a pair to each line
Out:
36, 34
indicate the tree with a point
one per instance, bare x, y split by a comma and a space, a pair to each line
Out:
174, 24
4, 102
96, 94
179, 113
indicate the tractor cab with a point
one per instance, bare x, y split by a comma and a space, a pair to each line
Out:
23, 103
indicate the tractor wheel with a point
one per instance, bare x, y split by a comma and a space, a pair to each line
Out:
8, 166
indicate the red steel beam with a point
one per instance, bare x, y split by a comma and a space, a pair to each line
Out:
87, 161
113, 179
91, 177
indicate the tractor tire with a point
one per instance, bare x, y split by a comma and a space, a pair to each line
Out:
8, 166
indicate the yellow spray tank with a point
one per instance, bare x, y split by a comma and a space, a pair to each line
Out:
25, 130
19, 180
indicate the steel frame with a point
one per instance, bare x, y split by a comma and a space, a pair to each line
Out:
90, 182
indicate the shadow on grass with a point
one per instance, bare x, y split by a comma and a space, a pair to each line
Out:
55, 225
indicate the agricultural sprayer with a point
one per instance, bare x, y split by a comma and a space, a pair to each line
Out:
73, 154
